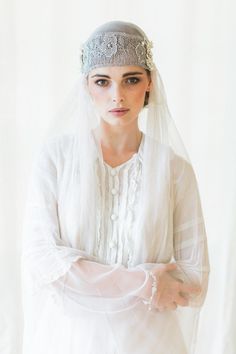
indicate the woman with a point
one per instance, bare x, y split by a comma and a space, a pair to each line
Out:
115, 255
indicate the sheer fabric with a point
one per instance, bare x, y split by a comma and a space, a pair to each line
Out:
78, 301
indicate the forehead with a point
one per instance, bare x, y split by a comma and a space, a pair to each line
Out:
117, 71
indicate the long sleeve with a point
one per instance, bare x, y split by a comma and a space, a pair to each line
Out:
76, 277
190, 242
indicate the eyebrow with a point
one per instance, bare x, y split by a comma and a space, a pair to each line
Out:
124, 75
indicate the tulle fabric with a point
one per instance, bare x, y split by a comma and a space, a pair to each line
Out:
101, 305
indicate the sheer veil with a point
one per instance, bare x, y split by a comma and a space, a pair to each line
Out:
79, 118
164, 158
168, 181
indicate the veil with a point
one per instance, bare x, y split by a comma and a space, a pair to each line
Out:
167, 175
78, 117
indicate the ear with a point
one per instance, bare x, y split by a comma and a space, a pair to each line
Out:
149, 86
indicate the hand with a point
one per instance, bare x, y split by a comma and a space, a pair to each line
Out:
171, 292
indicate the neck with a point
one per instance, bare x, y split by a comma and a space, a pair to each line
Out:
118, 140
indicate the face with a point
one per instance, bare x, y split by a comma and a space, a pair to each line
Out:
118, 92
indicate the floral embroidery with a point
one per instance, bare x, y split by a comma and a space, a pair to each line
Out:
109, 45
140, 51
116, 48
149, 57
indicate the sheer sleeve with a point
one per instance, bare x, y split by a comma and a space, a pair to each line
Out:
190, 242
74, 277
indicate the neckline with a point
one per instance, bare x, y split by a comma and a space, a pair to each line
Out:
130, 159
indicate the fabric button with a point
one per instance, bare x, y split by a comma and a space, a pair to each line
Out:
114, 191
113, 172
112, 244
113, 217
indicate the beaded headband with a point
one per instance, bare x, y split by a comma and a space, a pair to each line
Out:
116, 49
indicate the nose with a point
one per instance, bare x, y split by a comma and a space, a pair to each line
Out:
117, 94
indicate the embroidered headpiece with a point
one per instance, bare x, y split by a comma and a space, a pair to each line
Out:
116, 48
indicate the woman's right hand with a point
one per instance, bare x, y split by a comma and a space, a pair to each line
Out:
171, 292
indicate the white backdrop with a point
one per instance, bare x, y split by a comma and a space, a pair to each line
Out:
195, 50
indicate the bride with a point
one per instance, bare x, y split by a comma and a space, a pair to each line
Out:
114, 256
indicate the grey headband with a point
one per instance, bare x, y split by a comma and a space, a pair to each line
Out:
114, 44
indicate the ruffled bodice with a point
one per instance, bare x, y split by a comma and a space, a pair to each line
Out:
119, 193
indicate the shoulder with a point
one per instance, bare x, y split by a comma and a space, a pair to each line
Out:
180, 167
57, 145
54, 151
183, 171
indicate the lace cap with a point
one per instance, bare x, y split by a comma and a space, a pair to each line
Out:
126, 45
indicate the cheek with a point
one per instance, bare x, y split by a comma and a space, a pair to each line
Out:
139, 96
96, 95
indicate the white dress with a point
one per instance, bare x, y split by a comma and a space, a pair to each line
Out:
95, 308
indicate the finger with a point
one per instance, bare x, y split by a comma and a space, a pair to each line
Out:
185, 295
172, 306
161, 308
170, 267
190, 288
181, 301
162, 268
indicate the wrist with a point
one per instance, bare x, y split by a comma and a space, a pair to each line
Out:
150, 291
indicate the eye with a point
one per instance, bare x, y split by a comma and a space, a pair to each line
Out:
101, 82
133, 80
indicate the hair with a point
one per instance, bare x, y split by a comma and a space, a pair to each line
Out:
146, 100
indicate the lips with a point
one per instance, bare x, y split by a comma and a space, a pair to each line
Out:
119, 110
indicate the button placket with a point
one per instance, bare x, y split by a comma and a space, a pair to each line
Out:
113, 172
114, 194
114, 191
116, 244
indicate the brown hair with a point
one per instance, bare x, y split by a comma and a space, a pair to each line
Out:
147, 92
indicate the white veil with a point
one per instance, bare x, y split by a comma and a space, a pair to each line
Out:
167, 171
78, 117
